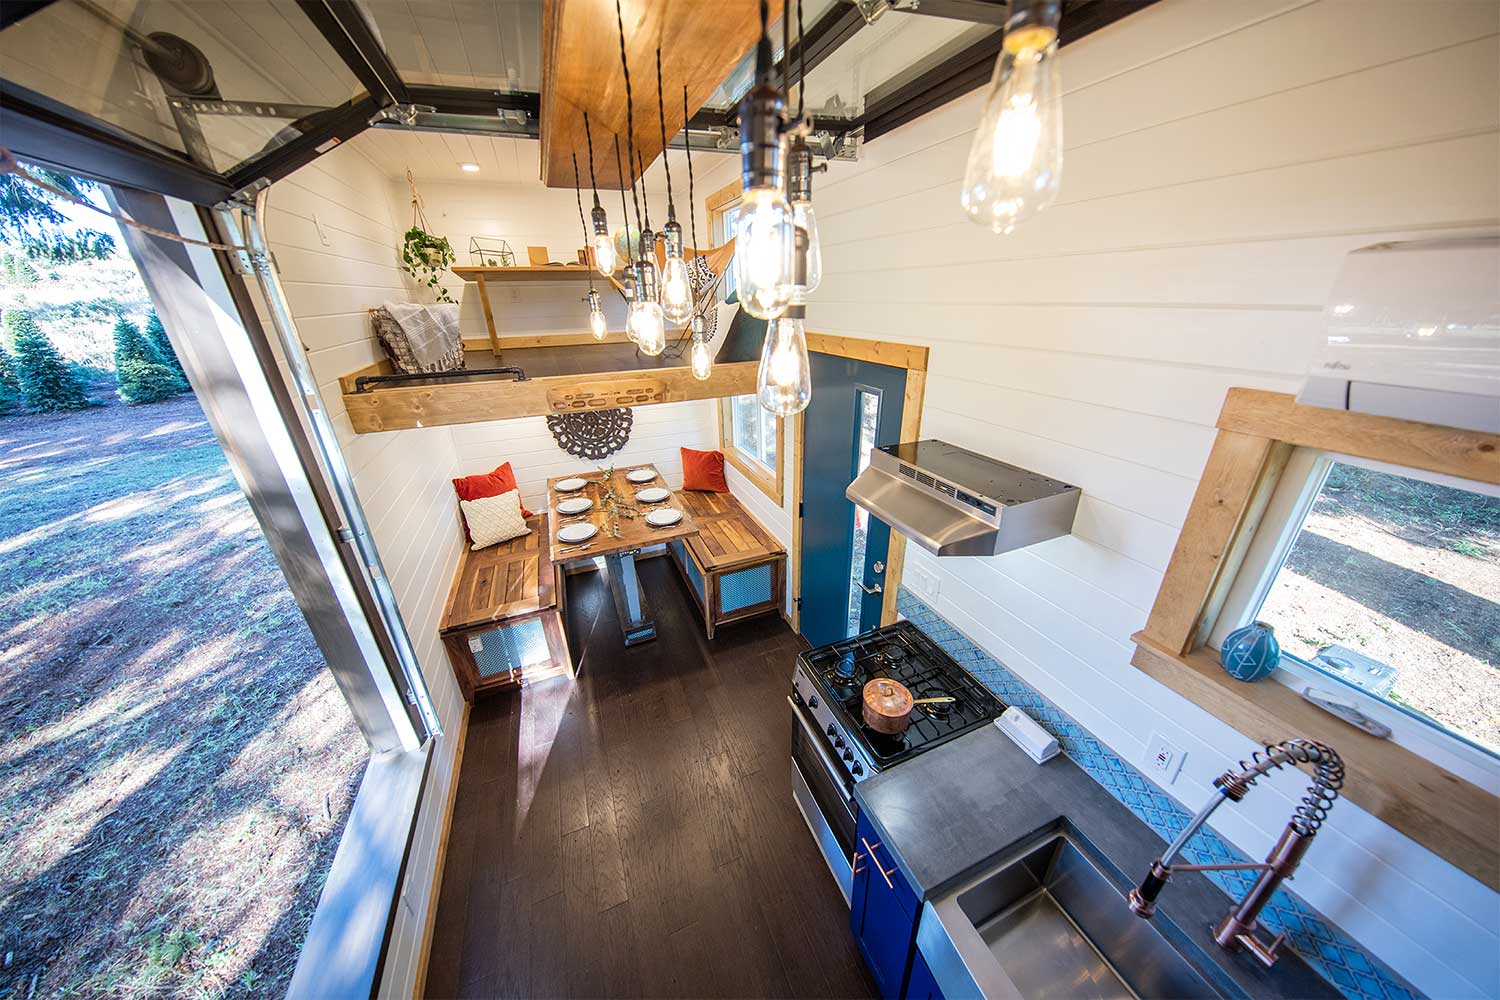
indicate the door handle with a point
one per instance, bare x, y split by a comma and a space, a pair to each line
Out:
870, 590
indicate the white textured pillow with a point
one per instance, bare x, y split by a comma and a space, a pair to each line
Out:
496, 519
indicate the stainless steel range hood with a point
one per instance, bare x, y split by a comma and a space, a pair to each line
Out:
953, 502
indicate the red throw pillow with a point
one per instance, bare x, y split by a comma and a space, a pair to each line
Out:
489, 484
703, 470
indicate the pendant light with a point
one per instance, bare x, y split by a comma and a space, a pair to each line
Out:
604, 247
676, 288
628, 273
701, 358
783, 384
598, 325
1015, 163
764, 231
651, 324
799, 178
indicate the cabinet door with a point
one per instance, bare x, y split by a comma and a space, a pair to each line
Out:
883, 926
920, 985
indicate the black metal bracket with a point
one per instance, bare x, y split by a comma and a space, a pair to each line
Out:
346, 30
366, 382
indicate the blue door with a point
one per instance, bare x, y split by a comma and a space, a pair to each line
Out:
856, 407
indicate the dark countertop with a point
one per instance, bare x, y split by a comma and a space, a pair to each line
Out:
948, 813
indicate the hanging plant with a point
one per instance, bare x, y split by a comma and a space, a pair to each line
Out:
424, 256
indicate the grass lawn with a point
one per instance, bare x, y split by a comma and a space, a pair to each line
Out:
176, 763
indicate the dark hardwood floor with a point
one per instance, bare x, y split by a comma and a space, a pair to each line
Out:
631, 833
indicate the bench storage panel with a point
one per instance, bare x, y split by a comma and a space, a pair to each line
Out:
503, 621
733, 567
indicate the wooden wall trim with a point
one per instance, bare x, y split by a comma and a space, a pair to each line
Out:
1456, 820
881, 352
724, 196
911, 429
429, 923
1446, 450
1449, 816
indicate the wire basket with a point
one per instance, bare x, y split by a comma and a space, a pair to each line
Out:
490, 251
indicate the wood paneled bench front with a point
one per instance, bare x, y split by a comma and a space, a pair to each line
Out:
503, 622
733, 566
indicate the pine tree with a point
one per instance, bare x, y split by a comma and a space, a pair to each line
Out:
156, 334
46, 381
10, 389
142, 375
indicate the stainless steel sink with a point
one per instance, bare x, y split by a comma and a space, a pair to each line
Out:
1045, 923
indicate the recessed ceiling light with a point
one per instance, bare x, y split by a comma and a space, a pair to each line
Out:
469, 168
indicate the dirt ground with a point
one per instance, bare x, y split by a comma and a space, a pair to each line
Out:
1407, 573
176, 763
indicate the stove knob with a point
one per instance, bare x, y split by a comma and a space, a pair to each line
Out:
796, 695
813, 702
832, 729
848, 755
838, 743
858, 768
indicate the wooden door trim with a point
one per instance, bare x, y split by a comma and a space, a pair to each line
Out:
913, 359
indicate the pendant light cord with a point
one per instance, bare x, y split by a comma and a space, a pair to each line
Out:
641, 170
578, 193
629, 108
593, 183
763, 45
661, 114
786, 50
801, 62
687, 144
624, 206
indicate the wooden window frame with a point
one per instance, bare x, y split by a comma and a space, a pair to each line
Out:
716, 203
1257, 431
770, 482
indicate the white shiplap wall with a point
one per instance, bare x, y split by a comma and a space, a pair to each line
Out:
335, 242
1221, 159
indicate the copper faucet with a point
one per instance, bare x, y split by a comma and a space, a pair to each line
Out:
1239, 929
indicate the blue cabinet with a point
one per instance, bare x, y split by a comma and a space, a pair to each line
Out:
920, 984
883, 915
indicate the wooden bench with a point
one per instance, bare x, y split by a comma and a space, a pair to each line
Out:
733, 566
503, 621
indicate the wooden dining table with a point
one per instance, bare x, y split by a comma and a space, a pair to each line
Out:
622, 533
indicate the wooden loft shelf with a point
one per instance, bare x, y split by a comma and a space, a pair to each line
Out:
577, 374
529, 272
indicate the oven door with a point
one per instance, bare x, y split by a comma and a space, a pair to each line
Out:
824, 793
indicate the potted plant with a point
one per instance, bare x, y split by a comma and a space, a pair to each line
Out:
425, 257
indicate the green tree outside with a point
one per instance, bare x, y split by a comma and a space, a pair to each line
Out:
156, 334
143, 375
31, 220
46, 381
10, 389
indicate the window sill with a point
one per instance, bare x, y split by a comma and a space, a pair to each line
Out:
1449, 816
763, 479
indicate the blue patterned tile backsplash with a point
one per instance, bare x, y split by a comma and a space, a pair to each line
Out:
1321, 943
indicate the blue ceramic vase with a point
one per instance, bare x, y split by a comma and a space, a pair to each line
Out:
1250, 653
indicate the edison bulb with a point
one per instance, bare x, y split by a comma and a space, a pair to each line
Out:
676, 290
648, 328
633, 323
598, 325
702, 361
604, 254
765, 238
784, 382
1015, 163
802, 214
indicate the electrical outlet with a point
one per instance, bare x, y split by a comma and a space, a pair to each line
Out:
1163, 758
924, 582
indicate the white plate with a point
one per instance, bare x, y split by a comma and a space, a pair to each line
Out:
569, 485
664, 518
641, 475
574, 505
571, 533
653, 494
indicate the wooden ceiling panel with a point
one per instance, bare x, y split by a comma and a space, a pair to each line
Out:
700, 43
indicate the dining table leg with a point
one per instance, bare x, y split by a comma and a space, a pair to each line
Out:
631, 605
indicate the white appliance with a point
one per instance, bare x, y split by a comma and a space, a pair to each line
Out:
1413, 331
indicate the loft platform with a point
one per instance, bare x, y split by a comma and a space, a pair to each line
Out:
563, 373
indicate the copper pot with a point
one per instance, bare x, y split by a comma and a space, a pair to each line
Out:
887, 707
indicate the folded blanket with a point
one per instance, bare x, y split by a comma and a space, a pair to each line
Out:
420, 338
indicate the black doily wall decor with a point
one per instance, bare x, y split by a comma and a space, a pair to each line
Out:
593, 434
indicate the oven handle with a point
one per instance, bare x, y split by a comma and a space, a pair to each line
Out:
830, 763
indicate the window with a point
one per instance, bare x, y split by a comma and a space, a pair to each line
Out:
727, 219
751, 440
1383, 586
723, 210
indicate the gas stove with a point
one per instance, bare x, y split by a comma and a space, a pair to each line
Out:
829, 682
